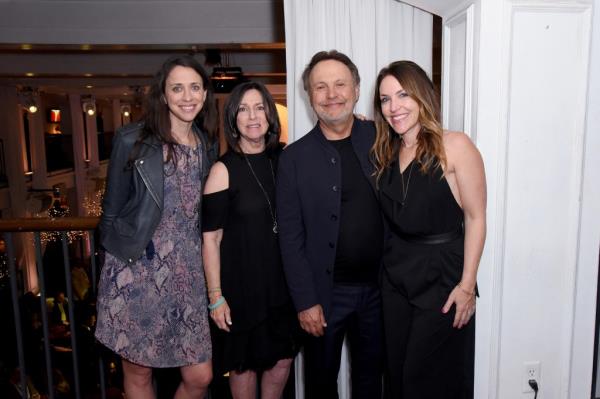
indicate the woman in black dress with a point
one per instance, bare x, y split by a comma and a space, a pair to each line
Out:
249, 300
433, 195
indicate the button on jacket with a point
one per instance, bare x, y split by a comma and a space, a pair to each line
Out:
308, 210
133, 201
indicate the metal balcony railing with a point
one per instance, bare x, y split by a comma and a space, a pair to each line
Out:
52, 355
69, 334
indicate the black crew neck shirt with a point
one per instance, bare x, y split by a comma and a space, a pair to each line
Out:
360, 239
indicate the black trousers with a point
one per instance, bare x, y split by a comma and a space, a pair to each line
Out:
426, 357
355, 311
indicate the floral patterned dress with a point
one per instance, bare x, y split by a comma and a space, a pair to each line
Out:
153, 312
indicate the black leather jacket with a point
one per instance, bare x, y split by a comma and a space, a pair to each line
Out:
133, 201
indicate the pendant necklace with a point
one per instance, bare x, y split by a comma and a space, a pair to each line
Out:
405, 188
271, 210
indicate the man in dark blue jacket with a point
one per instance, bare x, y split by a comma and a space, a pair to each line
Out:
331, 232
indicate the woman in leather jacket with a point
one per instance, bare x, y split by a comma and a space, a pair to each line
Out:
152, 302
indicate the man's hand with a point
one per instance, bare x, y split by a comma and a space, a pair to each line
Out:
312, 321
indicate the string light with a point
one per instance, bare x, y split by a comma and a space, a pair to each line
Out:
58, 210
93, 204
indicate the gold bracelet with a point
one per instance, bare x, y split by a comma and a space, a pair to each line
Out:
215, 289
465, 291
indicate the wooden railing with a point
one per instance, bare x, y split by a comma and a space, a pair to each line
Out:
48, 224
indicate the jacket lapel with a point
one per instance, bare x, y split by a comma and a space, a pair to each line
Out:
150, 168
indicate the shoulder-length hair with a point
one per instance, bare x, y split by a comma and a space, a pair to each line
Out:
157, 122
231, 109
430, 152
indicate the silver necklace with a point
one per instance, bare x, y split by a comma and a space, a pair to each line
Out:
271, 210
405, 188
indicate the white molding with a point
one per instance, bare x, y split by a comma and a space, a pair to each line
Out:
583, 326
498, 158
469, 52
498, 222
439, 7
466, 17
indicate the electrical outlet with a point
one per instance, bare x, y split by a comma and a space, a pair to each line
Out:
531, 371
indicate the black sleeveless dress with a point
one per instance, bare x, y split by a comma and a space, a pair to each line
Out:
264, 321
426, 274
423, 262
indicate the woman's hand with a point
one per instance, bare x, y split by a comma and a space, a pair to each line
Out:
465, 306
221, 315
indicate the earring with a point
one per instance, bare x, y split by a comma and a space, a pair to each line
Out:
164, 100
234, 134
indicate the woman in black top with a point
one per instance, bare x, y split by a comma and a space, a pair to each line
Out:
432, 193
249, 301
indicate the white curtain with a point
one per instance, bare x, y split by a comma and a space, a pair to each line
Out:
372, 33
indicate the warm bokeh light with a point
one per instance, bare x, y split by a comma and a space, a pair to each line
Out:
282, 111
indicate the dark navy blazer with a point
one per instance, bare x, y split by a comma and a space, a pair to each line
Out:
308, 210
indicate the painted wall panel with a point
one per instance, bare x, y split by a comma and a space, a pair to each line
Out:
548, 60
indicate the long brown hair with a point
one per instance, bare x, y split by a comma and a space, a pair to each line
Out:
157, 122
430, 152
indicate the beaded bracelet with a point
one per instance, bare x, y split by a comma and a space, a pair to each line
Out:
213, 306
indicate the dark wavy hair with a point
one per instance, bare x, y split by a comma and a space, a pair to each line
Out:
157, 122
430, 152
232, 133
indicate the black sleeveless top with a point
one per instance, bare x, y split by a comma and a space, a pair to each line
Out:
425, 273
252, 277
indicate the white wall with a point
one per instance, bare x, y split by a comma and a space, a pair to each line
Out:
532, 90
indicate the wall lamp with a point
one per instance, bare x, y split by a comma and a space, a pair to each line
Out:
89, 105
28, 98
126, 110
